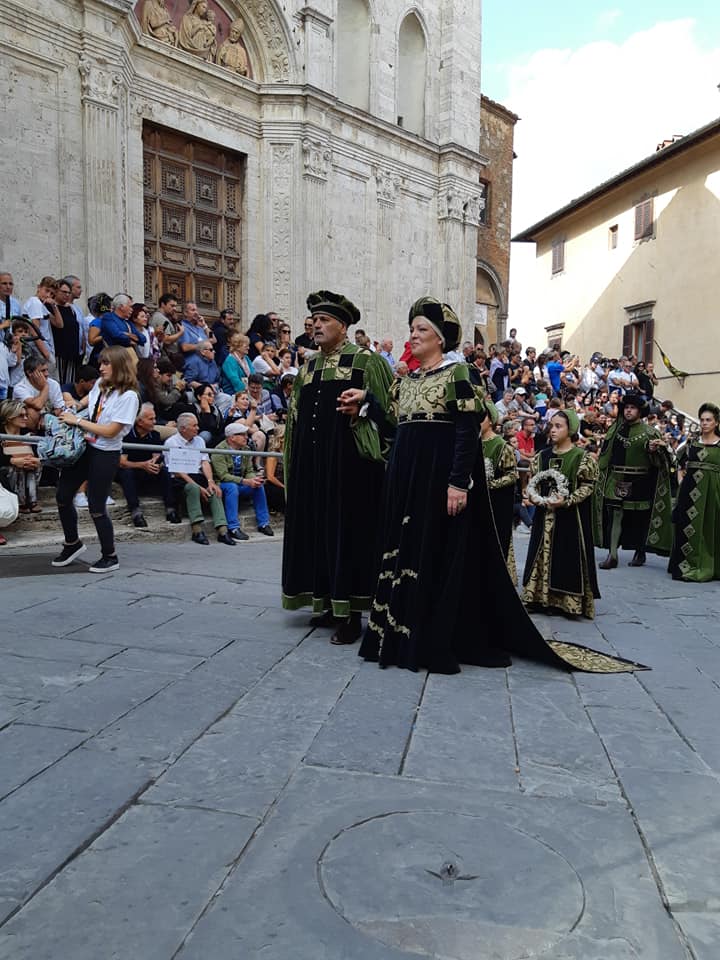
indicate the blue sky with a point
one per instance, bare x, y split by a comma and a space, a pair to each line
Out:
515, 29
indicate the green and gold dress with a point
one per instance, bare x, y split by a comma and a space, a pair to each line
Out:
696, 543
560, 567
502, 474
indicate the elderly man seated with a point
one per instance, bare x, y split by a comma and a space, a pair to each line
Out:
145, 471
237, 478
192, 475
200, 367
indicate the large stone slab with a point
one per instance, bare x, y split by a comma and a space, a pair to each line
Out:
136, 892
48, 819
370, 727
239, 766
463, 732
643, 738
366, 867
95, 705
25, 751
702, 931
17, 641
678, 814
25, 678
152, 661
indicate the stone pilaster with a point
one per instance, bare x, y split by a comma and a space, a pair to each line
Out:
317, 161
103, 97
282, 251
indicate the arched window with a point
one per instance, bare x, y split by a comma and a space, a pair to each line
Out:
353, 53
412, 62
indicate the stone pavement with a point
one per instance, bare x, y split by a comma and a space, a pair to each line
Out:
188, 772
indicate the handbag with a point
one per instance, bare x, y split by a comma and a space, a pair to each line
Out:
62, 444
9, 507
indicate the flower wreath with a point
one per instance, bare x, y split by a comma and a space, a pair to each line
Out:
546, 487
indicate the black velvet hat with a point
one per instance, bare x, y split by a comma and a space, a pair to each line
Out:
442, 317
334, 305
634, 399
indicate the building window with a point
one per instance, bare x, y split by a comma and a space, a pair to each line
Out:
352, 26
411, 75
558, 255
645, 219
613, 237
639, 332
485, 195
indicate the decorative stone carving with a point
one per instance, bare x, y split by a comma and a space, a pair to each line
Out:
264, 16
474, 206
99, 82
450, 204
157, 22
231, 54
282, 177
388, 184
198, 31
317, 157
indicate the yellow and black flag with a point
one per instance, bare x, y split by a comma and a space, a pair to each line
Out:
680, 374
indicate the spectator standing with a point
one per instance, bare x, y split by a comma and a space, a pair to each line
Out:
386, 349
116, 328
7, 286
259, 333
499, 374
139, 318
195, 332
304, 341
113, 405
168, 329
623, 378
222, 330
67, 335
555, 369
237, 478
646, 378
39, 309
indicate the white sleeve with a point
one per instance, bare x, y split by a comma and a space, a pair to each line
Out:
35, 309
125, 408
23, 390
55, 395
260, 365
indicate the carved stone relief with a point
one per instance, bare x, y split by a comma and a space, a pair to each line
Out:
99, 81
388, 185
282, 177
457, 202
317, 158
206, 31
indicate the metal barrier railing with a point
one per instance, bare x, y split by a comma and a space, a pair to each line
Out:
157, 448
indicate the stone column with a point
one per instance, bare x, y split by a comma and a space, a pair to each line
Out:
317, 160
318, 47
103, 111
459, 208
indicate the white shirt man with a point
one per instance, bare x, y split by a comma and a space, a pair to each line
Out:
623, 378
7, 285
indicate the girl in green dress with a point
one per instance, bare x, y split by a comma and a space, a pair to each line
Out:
696, 532
560, 567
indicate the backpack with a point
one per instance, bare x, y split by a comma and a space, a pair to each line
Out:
62, 444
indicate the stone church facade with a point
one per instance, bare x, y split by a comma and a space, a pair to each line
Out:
244, 153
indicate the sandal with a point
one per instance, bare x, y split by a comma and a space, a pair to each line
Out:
35, 507
23, 508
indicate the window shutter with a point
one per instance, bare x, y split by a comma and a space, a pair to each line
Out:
558, 256
649, 340
627, 339
644, 219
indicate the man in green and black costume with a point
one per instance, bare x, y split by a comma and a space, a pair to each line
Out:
632, 506
334, 469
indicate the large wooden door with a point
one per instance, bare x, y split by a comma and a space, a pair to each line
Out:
193, 207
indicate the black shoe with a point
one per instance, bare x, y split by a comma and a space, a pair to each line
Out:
139, 521
226, 538
323, 620
267, 530
639, 558
172, 517
200, 538
68, 554
348, 631
238, 534
105, 565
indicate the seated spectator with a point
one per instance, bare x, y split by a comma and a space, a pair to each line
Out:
148, 377
242, 412
305, 343
142, 471
285, 343
261, 402
507, 405
170, 389
20, 469
266, 363
499, 374
116, 328
196, 483
200, 367
74, 393
168, 330
40, 394
281, 396
10, 357
286, 363
526, 438
275, 473
211, 422
237, 366
222, 330
260, 333
542, 392
237, 478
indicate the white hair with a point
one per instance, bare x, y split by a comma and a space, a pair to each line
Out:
146, 407
185, 419
121, 300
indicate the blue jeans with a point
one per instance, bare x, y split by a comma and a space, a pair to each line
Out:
231, 498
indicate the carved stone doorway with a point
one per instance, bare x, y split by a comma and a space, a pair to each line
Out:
193, 206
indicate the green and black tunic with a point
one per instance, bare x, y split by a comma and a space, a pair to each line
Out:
502, 475
696, 544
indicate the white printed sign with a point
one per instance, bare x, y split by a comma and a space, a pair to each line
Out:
184, 460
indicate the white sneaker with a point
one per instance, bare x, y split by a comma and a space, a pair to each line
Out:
109, 502
80, 500
523, 531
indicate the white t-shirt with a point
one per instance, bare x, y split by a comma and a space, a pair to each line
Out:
24, 389
115, 407
37, 311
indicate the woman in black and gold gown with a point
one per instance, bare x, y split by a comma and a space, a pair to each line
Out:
444, 596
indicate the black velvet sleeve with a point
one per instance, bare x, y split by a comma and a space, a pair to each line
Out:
467, 438
378, 414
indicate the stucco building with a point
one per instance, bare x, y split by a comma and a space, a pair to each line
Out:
245, 153
633, 263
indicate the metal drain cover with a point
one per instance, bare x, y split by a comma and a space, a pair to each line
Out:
451, 886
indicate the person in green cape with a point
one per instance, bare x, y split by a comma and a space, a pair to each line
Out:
560, 567
632, 503
501, 470
334, 469
696, 543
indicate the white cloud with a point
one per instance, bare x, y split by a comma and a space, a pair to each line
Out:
606, 19
586, 114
